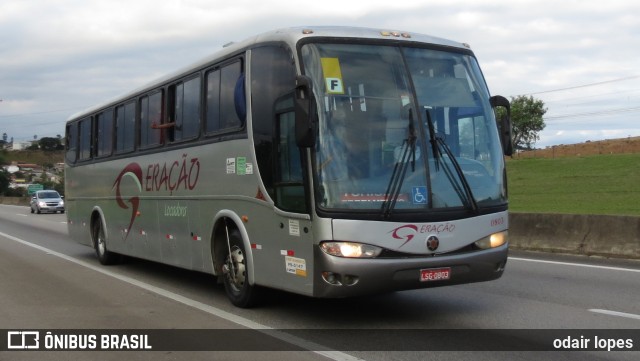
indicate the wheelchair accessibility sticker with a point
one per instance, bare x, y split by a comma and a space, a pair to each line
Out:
419, 195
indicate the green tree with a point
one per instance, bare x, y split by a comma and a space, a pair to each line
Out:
4, 181
50, 144
527, 121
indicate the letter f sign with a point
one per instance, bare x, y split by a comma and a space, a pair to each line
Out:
334, 86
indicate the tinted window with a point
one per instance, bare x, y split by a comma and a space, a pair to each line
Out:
187, 109
226, 102
272, 78
125, 127
72, 142
104, 128
84, 151
213, 101
150, 116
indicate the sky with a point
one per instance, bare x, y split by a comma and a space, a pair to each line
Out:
582, 58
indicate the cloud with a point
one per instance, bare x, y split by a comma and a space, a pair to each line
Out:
71, 54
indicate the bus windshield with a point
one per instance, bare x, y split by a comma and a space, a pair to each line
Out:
403, 129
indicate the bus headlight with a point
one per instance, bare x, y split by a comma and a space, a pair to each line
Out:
493, 241
350, 249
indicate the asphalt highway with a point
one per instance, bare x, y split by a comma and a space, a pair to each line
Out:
49, 282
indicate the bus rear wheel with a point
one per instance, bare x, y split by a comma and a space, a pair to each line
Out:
105, 256
236, 271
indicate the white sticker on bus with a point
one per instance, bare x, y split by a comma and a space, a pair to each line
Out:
297, 266
231, 165
294, 227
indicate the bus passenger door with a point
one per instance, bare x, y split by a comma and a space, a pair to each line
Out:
283, 241
291, 196
287, 258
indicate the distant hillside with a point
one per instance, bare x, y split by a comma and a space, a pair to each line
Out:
33, 157
629, 145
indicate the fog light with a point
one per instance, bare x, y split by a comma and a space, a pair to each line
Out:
331, 278
350, 280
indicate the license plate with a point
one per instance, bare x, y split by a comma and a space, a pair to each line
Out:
435, 274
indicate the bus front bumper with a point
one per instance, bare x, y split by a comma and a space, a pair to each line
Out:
346, 277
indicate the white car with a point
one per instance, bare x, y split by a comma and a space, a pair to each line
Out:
47, 201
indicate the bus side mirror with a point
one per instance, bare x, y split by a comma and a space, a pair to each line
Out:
504, 123
305, 111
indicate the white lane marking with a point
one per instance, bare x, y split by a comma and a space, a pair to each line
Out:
321, 350
21, 215
616, 313
576, 264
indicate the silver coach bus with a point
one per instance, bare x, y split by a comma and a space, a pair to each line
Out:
324, 161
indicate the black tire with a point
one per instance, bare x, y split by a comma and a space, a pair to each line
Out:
32, 211
236, 271
105, 256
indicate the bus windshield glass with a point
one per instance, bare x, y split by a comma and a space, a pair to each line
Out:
403, 129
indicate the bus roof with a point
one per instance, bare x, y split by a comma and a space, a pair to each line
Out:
290, 36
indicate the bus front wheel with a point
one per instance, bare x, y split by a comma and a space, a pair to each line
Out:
236, 270
105, 256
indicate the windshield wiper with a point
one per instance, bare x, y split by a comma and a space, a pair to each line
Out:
438, 145
400, 169
432, 139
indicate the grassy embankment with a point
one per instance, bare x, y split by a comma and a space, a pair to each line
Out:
599, 184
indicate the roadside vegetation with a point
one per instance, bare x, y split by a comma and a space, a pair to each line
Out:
594, 184
49, 176
598, 184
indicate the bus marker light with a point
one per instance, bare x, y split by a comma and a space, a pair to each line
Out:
170, 236
197, 238
245, 219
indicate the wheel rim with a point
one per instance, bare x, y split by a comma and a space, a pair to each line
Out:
237, 269
101, 244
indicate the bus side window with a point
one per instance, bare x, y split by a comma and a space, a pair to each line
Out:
150, 118
125, 127
72, 143
225, 102
186, 110
84, 146
104, 136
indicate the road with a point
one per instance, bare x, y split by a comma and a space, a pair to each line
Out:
50, 282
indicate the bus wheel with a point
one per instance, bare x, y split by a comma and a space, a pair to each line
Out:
235, 269
105, 256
